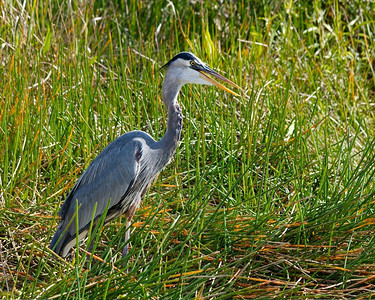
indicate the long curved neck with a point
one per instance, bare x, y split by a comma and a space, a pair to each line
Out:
171, 88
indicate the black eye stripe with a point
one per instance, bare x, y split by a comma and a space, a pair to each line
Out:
186, 56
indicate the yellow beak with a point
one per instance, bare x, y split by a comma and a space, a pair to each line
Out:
207, 71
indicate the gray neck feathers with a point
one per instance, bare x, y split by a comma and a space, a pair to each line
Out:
171, 88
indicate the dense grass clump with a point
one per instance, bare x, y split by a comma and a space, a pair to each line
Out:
270, 194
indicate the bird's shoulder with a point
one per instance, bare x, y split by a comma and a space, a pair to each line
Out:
136, 135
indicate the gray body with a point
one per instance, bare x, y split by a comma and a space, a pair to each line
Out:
122, 174
124, 170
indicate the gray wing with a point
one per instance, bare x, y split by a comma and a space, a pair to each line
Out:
109, 177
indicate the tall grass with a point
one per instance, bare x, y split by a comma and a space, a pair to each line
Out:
270, 194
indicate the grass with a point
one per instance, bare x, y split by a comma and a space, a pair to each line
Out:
270, 194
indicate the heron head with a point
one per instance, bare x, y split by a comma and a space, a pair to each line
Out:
187, 68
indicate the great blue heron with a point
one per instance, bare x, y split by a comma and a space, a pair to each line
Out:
123, 172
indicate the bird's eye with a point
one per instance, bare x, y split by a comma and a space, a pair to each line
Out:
192, 62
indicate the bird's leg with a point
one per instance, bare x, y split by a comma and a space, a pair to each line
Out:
127, 235
129, 216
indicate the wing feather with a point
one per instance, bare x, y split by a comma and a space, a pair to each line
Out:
108, 178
